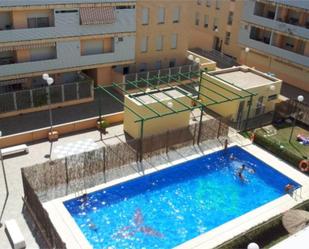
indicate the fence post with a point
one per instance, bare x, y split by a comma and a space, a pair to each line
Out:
141, 141
62, 92
15, 101
77, 90
219, 129
31, 98
166, 142
104, 164
66, 174
200, 127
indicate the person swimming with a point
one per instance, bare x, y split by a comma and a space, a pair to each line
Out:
240, 172
289, 188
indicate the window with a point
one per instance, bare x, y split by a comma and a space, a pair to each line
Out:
158, 64
208, 4
174, 41
176, 14
206, 21
144, 44
199, 2
197, 19
159, 43
38, 22
215, 25
230, 18
145, 16
272, 97
38, 54
217, 4
92, 47
227, 38
161, 15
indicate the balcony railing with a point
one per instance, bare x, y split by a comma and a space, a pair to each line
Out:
151, 75
38, 97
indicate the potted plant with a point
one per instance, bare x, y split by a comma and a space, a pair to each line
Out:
102, 125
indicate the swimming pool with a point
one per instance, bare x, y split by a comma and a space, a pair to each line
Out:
174, 205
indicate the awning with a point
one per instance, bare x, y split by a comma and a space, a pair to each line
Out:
101, 15
27, 46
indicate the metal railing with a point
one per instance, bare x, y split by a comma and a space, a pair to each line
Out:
157, 73
37, 97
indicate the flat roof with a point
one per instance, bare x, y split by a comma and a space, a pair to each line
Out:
151, 96
245, 79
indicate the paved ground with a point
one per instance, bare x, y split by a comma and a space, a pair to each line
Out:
37, 120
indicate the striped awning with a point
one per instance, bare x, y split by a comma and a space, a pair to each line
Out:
27, 46
100, 15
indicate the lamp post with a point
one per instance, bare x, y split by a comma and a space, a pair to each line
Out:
300, 98
49, 81
247, 50
6, 184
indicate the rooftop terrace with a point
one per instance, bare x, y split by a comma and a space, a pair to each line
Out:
244, 77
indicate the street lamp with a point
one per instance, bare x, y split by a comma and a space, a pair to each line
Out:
300, 98
6, 184
49, 81
247, 50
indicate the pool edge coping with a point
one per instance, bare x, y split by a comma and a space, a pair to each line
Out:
209, 239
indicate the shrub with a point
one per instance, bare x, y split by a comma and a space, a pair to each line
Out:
274, 148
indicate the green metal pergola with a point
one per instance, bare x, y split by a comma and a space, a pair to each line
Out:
171, 81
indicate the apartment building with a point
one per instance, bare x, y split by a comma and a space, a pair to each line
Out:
76, 42
81, 43
272, 36
162, 35
277, 33
215, 25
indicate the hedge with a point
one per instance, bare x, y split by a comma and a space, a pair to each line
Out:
274, 148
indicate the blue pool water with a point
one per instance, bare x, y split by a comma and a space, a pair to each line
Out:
169, 207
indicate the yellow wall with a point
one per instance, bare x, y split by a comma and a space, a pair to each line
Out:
108, 44
153, 29
230, 109
202, 37
157, 125
293, 74
104, 75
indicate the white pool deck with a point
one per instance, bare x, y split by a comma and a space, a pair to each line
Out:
74, 238
299, 240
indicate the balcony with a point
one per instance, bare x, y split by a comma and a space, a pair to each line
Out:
61, 92
271, 48
125, 22
69, 56
265, 10
265, 18
260, 35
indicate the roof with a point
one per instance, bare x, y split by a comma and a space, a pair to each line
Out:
244, 78
153, 96
14, 3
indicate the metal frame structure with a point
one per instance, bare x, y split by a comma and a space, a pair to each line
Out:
177, 80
